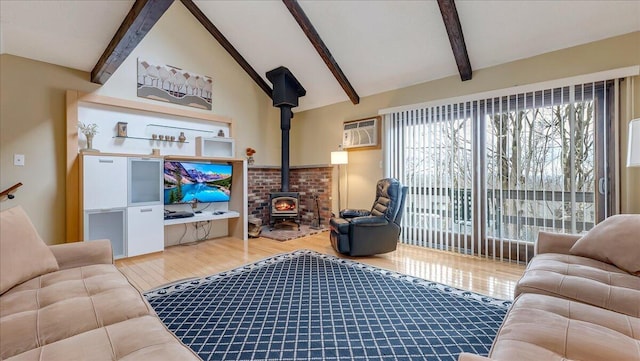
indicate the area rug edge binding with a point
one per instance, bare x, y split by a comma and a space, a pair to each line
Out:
190, 283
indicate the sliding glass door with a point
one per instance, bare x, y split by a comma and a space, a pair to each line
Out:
486, 176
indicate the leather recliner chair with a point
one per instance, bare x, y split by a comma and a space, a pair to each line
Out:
359, 232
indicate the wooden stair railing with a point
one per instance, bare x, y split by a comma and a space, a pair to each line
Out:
8, 192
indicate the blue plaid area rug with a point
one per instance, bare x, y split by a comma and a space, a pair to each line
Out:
309, 306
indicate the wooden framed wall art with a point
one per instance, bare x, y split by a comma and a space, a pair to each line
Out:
174, 85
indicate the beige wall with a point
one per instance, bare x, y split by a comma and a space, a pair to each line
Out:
179, 40
315, 133
32, 111
32, 122
630, 177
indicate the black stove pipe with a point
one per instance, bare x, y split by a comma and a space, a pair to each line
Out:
286, 91
285, 126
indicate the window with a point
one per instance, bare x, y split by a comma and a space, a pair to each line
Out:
486, 175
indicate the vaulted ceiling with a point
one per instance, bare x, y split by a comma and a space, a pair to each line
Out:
375, 46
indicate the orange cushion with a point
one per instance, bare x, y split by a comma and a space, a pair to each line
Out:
23, 254
616, 240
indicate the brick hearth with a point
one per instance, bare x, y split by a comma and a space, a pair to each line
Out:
305, 180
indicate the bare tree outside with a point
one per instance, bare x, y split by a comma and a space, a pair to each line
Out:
544, 156
539, 168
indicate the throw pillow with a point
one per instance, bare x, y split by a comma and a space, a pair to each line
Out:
616, 240
23, 254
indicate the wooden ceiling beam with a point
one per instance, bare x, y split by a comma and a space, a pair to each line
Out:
311, 33
456, 38
140, 19
198, 14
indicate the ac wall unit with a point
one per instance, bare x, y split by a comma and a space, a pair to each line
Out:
361, 133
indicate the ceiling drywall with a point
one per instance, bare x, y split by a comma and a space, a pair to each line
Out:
379, 45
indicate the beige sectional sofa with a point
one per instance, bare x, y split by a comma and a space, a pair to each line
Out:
69, 302
579, 298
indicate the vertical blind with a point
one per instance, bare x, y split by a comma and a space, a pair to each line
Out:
486, 175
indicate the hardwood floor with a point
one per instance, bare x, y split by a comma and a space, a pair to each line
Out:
485, 276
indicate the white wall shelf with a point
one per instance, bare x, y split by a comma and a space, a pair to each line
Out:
145, 138
215, 147
184, 128
141, 126
201, 217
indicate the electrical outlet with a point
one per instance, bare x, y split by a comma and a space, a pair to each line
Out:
18, 160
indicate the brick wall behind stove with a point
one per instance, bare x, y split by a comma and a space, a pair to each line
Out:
262, 181
306, 181
309, 182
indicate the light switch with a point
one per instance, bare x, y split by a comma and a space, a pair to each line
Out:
18, 159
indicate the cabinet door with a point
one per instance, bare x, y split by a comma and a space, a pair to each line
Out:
145, 229
107, 225
145, 181
104, 182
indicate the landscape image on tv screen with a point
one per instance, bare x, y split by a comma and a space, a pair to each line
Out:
185, 182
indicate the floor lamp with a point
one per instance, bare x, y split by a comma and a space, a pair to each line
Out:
633, 156
339, 157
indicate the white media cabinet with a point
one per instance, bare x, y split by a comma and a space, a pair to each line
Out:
135, 225
122, 198
236, 209
202, 217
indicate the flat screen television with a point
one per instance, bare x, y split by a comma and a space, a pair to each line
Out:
186, 182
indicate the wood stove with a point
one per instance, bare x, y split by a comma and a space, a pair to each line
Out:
286, 91
284, 205
284, 209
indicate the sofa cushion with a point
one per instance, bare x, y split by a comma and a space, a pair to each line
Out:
615, 240
139, 339
66, 303
23, 254
540, 327
582, 279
